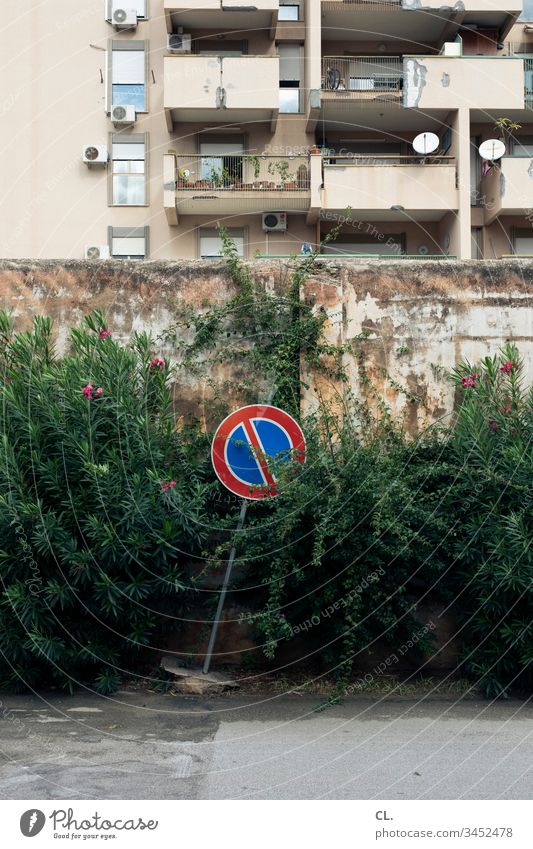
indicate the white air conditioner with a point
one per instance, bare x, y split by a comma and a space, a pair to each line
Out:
94, 154
122, 17
452, 48
97, 252
122, 115
274, 221
178, 42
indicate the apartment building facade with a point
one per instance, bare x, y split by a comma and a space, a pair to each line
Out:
133, 129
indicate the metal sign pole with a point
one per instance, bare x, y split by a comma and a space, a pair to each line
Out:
229, 567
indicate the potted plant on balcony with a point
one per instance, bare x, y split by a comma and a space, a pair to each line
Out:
255, 163
281, 168
507, 129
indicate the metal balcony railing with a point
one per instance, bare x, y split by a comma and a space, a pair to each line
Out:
364, 77
388, 159
528, 83
366, 4
242, 172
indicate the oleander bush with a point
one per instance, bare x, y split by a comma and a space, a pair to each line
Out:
492, 578
101, 503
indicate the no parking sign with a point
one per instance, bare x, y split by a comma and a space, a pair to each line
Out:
248, 441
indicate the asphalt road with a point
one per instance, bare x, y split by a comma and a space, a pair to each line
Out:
145, 746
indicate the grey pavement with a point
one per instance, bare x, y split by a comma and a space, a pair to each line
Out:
138, 745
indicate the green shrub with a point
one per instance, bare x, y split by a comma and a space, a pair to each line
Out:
492, 580
101, 504
341, 555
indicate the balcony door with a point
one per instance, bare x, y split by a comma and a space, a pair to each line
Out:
221, 162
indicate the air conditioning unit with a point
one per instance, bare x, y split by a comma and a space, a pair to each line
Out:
97, 252
274, 221
452, 48
123, 115
178, 42
122, 17
95, 154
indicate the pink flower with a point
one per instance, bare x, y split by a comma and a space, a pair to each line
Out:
88, 391
157, 362
104, 334
469, 382
507, 367
166, 485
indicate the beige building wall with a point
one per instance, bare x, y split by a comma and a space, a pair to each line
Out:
55, 94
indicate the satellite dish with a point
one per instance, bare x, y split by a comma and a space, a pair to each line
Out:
423, 250
491, 149
426, 143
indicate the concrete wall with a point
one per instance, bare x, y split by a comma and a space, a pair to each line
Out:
422, 317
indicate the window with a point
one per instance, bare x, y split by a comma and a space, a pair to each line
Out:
221, 48
477, 242
210, 243
527, 11
288, 12
522, 146
523, 242
371, 244
222, 161
290, 73
128, 157
128, 74
128, 242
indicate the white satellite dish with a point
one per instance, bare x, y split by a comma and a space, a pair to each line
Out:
491, 149
426, 143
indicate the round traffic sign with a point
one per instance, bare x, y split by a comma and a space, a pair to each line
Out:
247, 441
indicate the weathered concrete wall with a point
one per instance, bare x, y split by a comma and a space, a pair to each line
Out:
421, 317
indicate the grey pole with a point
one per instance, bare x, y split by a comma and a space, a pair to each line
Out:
229, 567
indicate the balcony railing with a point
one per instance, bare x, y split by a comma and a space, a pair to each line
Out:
363, 77
242, 173
365, 4
388, 159
528, 83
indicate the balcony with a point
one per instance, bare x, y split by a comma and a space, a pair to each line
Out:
362, 78
216, 89
231, 15
447, 82
246, 183
391, 187
507, 189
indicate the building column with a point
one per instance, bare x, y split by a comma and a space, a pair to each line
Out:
461, 133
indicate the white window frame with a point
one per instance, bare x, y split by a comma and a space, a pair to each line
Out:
137, 139
211, 232
119, 46
135, 234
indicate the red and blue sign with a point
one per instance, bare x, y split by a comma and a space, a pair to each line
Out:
249, 443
